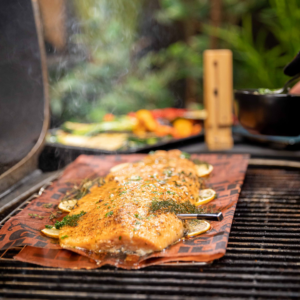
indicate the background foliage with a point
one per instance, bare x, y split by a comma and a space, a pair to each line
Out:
115, 77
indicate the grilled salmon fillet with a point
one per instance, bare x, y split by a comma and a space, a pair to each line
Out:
117, 217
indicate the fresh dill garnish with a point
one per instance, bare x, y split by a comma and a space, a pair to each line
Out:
109, 214
47, 205
172, 206
69, 220
135, 178
185, 155
64, 237
170, 193
36, 216
48, 226
168, 173
79, 191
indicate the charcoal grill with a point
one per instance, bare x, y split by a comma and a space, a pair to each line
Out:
262, 259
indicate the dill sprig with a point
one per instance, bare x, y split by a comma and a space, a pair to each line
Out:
69, 220
83, 189
172, 206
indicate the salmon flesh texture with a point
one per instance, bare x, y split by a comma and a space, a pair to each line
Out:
117, 215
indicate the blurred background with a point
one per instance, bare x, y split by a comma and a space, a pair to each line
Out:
124, 55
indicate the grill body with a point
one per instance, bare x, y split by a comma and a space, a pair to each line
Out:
262, 260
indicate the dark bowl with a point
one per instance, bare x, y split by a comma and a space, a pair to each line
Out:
268, 114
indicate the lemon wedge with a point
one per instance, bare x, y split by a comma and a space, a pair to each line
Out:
203, 170
200, 228
51, 232
67, 205
206, 196
119, 167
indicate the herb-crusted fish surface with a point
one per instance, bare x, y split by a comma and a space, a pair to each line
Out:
118, 216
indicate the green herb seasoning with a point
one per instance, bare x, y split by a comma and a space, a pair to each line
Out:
172, 206
170, 193
69, 220
64, 237
47, 205
185, 155
136, 178
120, 238
48, 226
109, 214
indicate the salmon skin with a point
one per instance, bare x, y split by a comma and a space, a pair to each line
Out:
117, 214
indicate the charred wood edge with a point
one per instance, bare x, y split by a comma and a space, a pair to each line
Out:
29, 162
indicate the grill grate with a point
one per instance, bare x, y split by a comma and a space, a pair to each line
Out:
262, 260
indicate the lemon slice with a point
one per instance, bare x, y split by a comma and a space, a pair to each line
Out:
119, 167
206, 196
51, 232
67, 205
200, 228
204, 170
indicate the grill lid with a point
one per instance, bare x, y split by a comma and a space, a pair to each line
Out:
23, 93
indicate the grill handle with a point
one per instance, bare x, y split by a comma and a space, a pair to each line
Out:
211, 217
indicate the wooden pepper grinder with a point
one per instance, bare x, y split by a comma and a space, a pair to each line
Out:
218, 99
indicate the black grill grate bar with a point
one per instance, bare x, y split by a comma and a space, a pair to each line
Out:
281, 229
271, 210
78, 295
261, 244
268, 205
292, 236
156, 289
109, 282
249, 214
263, 250
260, 239
265, 219
242, 262
265, 224
155, 278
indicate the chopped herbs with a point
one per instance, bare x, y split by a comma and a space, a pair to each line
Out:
168, 173
172, 206
120, 238
136, 178
64, 237
55, 215
36, 216
138, 223
83, 189
177, 184
48, 226
47, 205
109, 214
69, 220
122, 193
170, 193
185, 155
